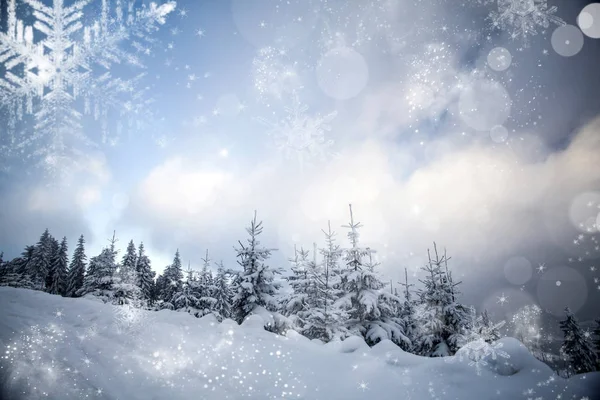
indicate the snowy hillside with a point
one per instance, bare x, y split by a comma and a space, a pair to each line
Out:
64, 348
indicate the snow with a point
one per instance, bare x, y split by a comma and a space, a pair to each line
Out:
77, 352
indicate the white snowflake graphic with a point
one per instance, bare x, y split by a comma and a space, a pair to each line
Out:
477, 345
130, 318
59, 69
523, 18
299, 135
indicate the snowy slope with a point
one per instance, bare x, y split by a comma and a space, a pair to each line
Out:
61, 348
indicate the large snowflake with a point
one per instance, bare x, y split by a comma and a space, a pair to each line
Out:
59, 69
478, 346
523, 18
299, 135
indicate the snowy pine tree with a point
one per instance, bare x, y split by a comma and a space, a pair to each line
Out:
172, 281
576, 348
100, 278
185, 299
76, 273
58, 268
223, 295
205, 287
597, 342
407, 316
145, 275
254, 285
299, 283
16, 271
54, 253
39, 264
368, 306
442, 320
125, 282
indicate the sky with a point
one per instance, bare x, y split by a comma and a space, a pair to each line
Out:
434, 122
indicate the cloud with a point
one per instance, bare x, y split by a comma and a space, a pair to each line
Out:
479, 201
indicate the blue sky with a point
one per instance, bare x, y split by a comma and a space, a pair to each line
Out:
416, 124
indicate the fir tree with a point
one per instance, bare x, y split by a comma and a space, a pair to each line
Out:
597, 342
185, 299
39, 264
100, 278
145, 275
205, 287
53, 255
58, 283
127, 270
76, 272
172, 281
577, 348
299, 283
368, 307
222, 295
255, 286
407, 316
15, 271
125, 282
442, 320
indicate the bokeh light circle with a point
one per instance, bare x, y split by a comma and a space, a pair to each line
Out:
518, 270
589, 20
562, 287
499, 134
484, 105
583, 212
342, 73
499, 59
567, 40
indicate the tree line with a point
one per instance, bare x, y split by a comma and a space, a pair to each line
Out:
336, 292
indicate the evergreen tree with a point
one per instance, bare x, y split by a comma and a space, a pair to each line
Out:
222, 295
39, 264
367, 305
100, 278
576, 347
407, 316
299, 283
54, 255
597, 342
145, 275
185, 299
127, 269
255, 286
442, 320
15, 271
205, 287
172, 281
125, 283
76, 273
58, 283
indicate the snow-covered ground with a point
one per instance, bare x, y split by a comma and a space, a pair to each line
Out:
61, 348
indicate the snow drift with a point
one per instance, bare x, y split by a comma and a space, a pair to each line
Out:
62, 348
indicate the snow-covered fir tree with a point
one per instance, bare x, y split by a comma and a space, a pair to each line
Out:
576, 348
58, 268
407, 316
15, 272
185, 299
100, 278
368, 306
204, 287
255, 285
441, 319
223, 294
299, 283
125, 281
172, 281
54, 250
144, 275
597, 341
39, 264
76, 273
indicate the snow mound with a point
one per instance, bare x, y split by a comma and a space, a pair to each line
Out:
60, 348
